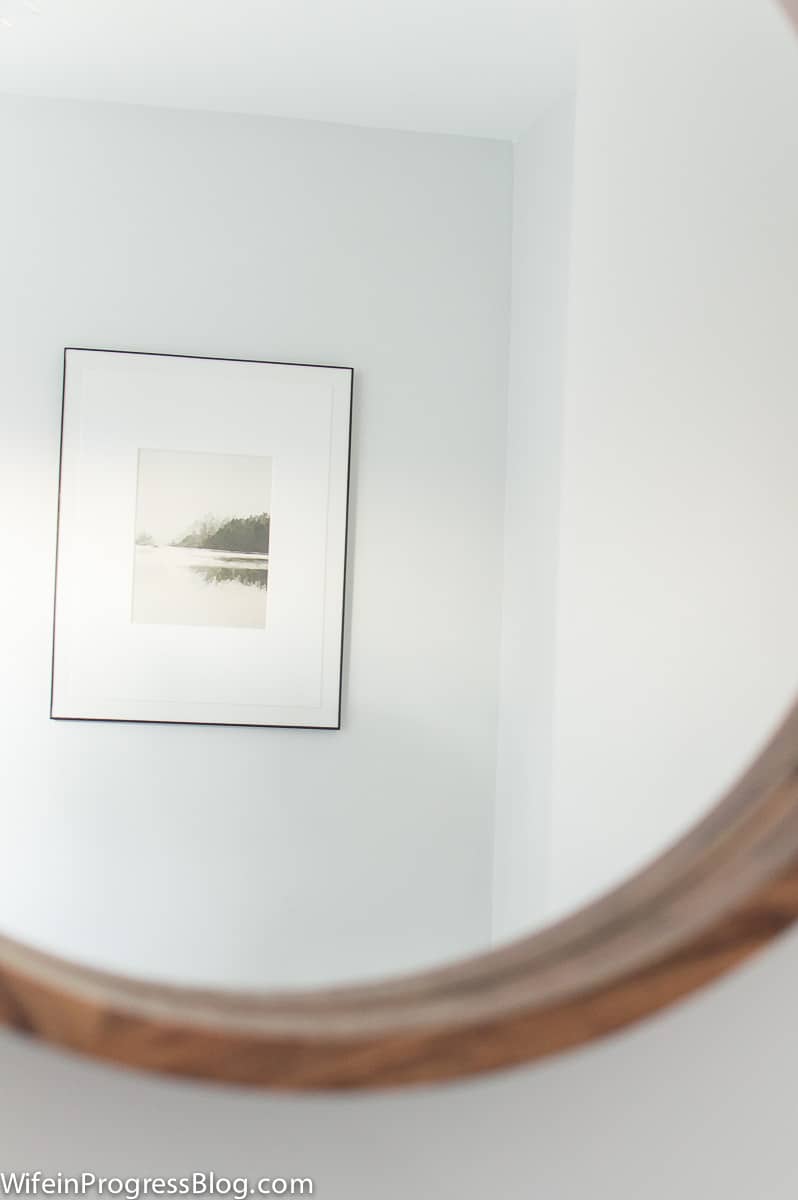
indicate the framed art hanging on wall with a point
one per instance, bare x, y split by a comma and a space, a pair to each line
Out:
201, 550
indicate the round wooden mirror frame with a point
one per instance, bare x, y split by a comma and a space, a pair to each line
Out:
721, 893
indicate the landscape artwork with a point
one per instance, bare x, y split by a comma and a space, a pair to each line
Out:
200, 565
201, 554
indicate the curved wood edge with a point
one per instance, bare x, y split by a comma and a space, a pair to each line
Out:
791, 9
722, 892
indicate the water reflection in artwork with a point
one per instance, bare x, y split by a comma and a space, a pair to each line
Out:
207, 569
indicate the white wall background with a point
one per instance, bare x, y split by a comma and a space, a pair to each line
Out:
542, 202
173, 851
677, 635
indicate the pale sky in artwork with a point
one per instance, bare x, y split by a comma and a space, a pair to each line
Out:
177, 489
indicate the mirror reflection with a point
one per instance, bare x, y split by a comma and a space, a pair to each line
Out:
339, 701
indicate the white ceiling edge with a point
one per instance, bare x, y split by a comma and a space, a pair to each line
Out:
488, 68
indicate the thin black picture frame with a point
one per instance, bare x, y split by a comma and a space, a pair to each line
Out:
345, 574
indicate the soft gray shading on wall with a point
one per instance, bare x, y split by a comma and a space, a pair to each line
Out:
677, 638
263, 856
542, 194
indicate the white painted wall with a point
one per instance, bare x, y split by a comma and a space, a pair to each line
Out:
652, 499
542, 195
677, 635
174, 851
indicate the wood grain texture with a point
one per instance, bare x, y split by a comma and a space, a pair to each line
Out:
791, 9
722, 892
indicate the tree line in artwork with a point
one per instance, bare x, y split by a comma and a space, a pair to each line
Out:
241, 535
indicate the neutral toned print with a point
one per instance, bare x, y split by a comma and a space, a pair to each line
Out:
202, 539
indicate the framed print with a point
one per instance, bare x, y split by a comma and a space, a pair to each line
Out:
201, 552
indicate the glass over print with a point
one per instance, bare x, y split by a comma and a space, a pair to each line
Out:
202, 538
